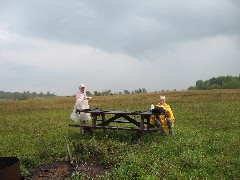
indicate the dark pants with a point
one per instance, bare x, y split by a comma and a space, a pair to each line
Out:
169, 123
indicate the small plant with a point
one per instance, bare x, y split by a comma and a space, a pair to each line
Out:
77, 175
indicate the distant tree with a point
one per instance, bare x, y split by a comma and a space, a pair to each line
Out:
96, 93
48, 94
139, 90
192, 88
17, 95
126, 92
233, 84
106, 92
200, 84
34, 94
88, 93
226, 82
144, 90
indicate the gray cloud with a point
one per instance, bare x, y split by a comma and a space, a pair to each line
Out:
138, 28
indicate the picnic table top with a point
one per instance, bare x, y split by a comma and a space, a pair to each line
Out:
99, 111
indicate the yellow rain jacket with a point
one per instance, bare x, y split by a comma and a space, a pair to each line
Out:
162, 118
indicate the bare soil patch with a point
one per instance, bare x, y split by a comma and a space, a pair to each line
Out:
64, 170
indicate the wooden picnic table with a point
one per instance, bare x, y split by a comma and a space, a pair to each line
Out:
103, 119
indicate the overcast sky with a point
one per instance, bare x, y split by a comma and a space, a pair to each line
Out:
55, 45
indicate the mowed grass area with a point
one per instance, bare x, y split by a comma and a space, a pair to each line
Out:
205, 144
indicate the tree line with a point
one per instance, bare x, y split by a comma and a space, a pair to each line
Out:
109, 92
26, 94
222, 82
23, 95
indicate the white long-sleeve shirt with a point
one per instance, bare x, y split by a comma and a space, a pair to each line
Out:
81, 101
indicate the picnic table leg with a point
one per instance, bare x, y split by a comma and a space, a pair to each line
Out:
142, 123
82, 129
94, 122
148, 123
103, 120
141, 126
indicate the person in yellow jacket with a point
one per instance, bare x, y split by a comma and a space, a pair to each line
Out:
163, 122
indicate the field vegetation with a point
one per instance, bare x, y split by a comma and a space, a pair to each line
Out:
205, 144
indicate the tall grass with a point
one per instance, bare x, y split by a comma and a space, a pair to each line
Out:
205, 144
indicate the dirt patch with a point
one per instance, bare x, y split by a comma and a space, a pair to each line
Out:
64, 170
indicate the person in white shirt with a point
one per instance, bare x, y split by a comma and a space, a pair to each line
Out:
81, 104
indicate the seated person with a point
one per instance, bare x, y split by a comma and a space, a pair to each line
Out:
165, 120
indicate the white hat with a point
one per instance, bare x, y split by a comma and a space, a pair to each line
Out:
81, 85
162, 97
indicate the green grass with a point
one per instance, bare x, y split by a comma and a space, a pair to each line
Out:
205, 144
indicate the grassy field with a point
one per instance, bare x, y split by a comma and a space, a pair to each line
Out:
205, 144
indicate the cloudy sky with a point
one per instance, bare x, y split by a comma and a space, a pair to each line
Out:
55, 45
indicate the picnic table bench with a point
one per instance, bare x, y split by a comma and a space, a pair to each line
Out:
137, 120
